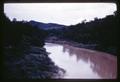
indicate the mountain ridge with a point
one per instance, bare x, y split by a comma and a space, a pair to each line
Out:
46, 26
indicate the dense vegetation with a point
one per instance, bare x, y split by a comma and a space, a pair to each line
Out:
19, 35
103, 32
23, 54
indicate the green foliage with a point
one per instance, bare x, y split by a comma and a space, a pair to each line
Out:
100, 31
19, 36
103, 32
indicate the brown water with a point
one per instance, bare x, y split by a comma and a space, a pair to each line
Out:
80, 63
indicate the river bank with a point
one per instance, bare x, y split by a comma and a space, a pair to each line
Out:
35, 64
76, 44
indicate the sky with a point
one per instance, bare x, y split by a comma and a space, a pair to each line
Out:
61, 13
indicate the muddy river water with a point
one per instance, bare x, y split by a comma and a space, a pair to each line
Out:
80, 63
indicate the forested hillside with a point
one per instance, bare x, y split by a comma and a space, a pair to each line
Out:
102, 32
23, 55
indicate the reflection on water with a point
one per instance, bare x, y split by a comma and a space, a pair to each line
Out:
83, 63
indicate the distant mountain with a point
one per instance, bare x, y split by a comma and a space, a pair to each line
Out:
46, 26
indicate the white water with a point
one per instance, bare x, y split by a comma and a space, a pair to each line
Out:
82, 63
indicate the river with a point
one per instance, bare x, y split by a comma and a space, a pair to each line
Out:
80, 63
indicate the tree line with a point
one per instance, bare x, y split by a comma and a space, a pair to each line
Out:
19, 35
103, 32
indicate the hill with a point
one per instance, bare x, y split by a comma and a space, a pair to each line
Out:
45, 26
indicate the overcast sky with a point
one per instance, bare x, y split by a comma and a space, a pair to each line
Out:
61, 13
